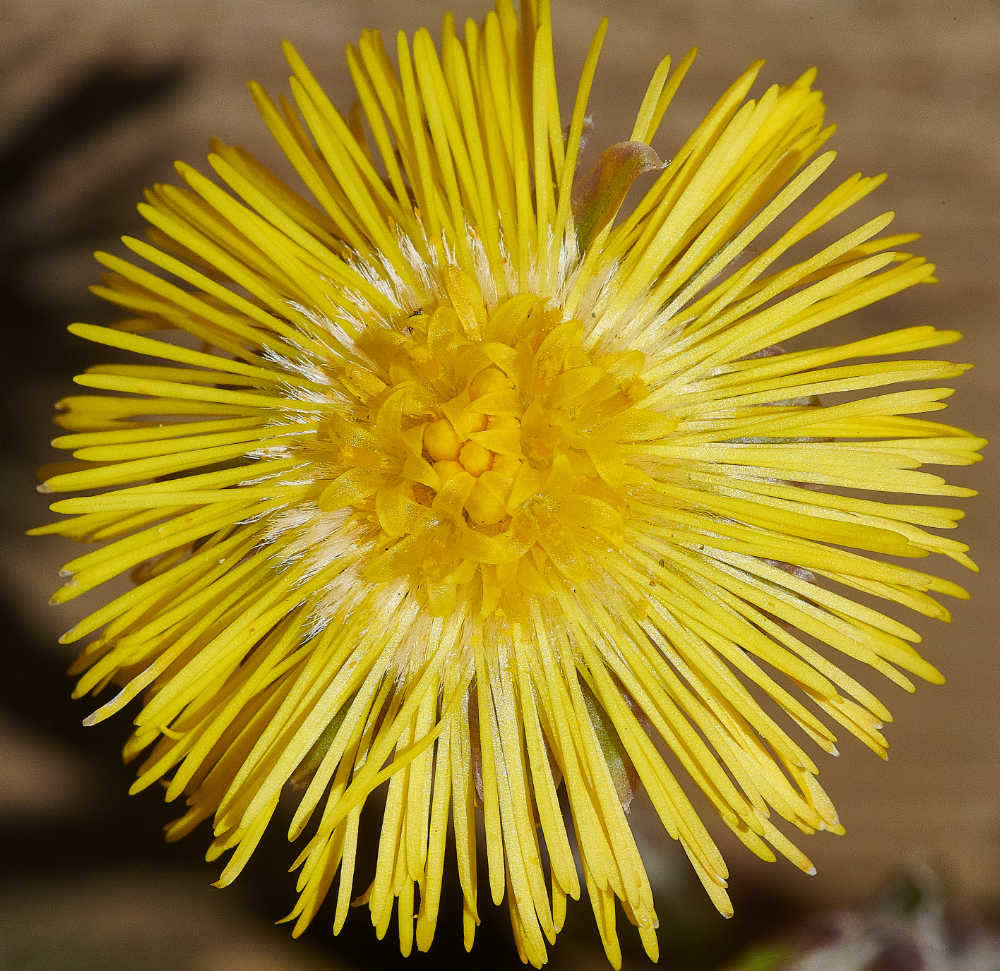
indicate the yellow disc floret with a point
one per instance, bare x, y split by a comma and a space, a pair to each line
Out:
475, 459
441, 440
506, 460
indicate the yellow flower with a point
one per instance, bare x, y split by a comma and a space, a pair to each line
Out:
453, 483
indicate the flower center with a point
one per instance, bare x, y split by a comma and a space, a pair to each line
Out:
487, 448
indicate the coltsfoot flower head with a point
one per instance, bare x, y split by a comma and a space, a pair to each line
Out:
456, 482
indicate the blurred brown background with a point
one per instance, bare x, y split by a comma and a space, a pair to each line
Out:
96, 100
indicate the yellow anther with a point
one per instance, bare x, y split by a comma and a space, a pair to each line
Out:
476, 422
483, 507
447, 469
441, 440
475, 459
492, 379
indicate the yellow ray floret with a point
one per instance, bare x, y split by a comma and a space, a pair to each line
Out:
446, 478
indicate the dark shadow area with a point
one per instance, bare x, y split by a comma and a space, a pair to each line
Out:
122, 830
106, 97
